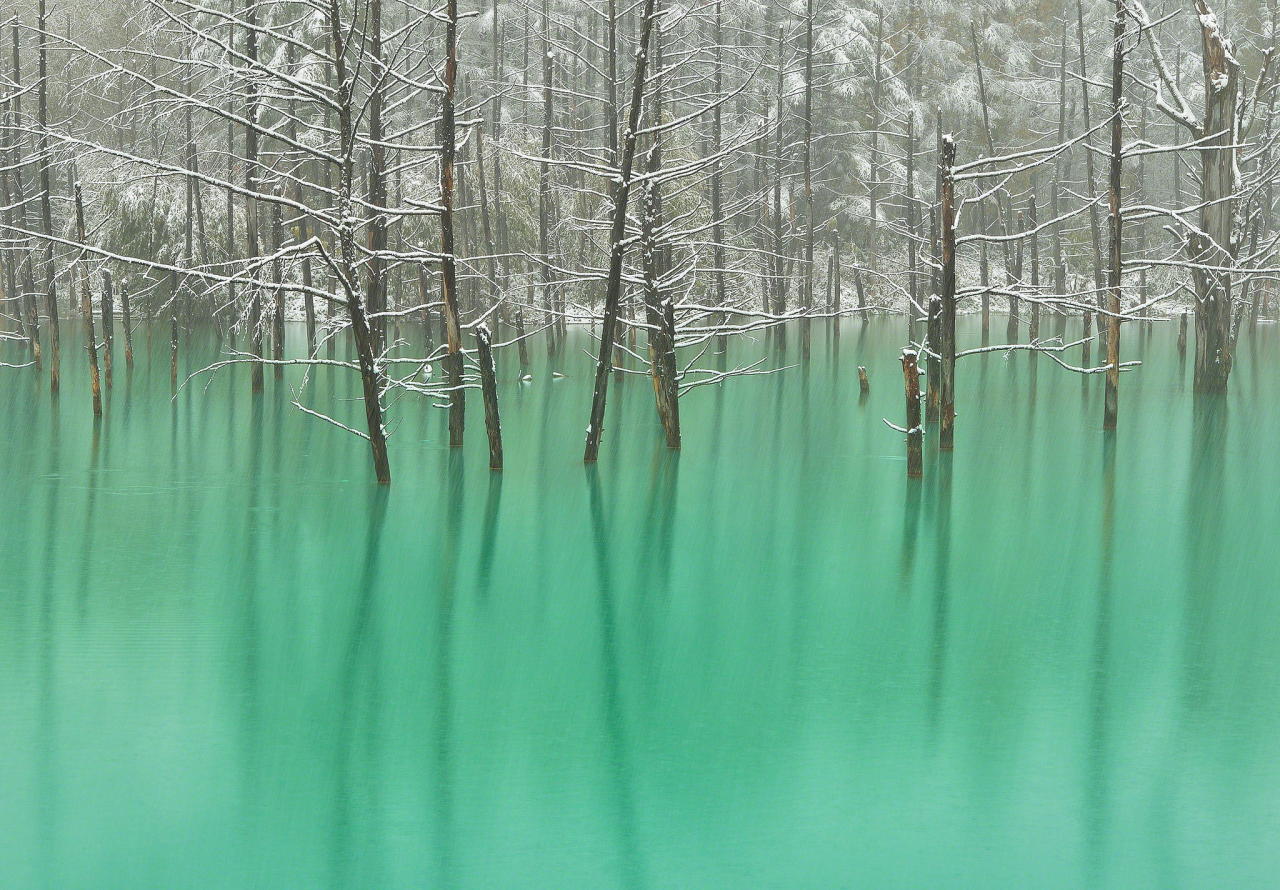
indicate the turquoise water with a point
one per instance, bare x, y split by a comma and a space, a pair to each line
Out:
227, 659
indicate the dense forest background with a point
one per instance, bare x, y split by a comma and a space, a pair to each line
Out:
676, 173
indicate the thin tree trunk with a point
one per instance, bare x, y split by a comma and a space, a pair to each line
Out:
1110, 405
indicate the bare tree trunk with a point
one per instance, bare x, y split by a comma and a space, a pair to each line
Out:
448, 263
1115, 272
617, 241
1032, 221
127, 320
661, 329
489, 391
252, 185
915, 430
913, 228
946, 345
108, 325
1055, 201
1213, 244
808, 179
370, 374
86, 309
1095, 229
46, 213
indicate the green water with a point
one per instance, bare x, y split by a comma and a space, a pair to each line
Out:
229, 660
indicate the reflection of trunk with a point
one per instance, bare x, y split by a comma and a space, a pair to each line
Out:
1113, 193
617, 242
1213, 244
946, 345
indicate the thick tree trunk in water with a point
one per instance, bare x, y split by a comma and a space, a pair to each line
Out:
658, 309
946, 346
1214, 244
1110, 405
489, 391
86, 309
448, 265
915, 432
613, 283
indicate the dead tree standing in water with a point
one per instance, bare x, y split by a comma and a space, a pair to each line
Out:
86, 308
617, 243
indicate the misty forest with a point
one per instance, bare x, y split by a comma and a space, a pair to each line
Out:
639, 443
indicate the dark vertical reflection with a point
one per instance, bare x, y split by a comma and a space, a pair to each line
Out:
910, 534
361, 655
940, 494
1096, 792
622, 796
90, 521
46, 741
446, 601
1205, 515
247, 636
489, 536
653, 568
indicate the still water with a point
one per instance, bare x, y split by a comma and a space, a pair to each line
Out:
229, 660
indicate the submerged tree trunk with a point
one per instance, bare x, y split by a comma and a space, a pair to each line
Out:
489, 391
915, 431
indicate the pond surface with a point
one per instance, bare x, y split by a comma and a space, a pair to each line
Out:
227, 659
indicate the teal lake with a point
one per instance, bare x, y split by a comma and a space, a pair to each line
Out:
228, 659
